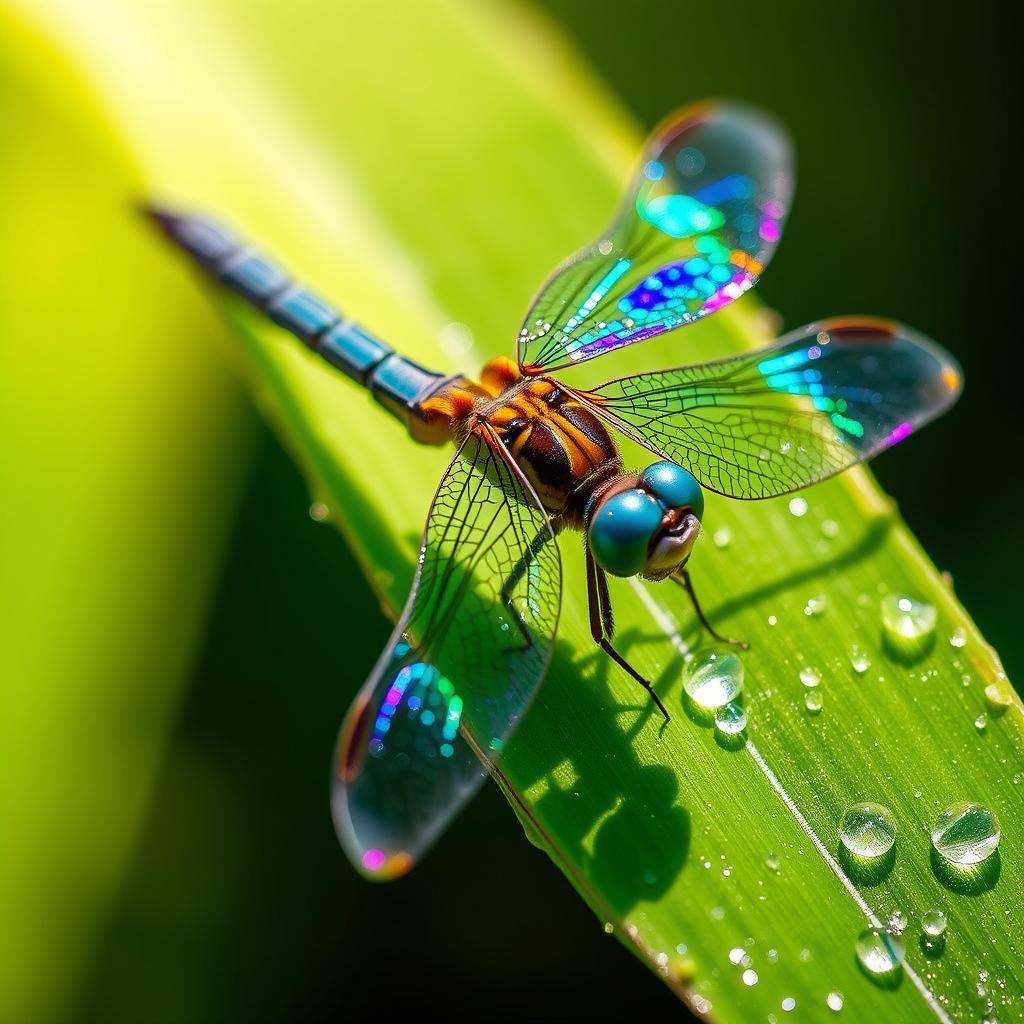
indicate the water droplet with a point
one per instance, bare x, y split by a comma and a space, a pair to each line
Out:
957, 638
814, 701
788, 1004
722, 537
771, 859
736, 954
868, 830
981, 722
731, 719
717, 913
933, 923
897, 922
749, 977
859, 660
773, 620
908, 624
816, 605
319, 512
608, 927
810, 676
999, 696
798, 507
830, 528
834, 1001
715, 678
966, 833
879, 951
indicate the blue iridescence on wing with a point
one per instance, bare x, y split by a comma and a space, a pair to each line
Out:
702, 219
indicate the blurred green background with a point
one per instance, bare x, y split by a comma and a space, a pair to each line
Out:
236, 901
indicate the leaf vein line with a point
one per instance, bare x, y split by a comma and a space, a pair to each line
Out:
665, 623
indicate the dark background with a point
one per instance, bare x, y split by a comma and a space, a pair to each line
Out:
240, 903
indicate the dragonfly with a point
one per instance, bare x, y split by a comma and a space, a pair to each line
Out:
536, 458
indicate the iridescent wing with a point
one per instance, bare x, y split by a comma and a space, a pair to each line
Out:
772, 421
698, 225
460, 669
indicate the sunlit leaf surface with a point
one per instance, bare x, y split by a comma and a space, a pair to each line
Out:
486, 156
121, 454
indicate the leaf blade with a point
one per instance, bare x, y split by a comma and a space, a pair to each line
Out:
643, 802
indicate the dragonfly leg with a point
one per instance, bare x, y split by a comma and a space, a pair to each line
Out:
515, 577
682, 578
602, 626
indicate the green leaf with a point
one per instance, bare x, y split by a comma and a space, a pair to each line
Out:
123, 446
427, 165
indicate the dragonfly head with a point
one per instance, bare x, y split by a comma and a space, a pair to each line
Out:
647, 525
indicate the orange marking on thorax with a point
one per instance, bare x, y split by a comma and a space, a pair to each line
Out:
499, 375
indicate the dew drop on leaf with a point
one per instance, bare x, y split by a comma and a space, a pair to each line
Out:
859, 660
731, 719
909, 624
879, 951
814, 701
933, 923
714, 678
868, 830
810, 676
966, 833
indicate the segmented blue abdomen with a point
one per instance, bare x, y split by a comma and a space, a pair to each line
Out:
397, 383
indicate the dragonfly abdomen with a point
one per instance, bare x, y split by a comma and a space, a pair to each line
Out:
399, 384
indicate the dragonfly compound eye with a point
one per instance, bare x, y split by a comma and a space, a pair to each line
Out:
674, 487
622, 529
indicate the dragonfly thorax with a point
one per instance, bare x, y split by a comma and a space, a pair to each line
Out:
563, 448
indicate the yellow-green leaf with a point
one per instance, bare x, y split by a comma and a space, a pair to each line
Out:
426, 164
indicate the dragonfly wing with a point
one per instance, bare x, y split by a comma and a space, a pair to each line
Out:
769, 422
698, 224
460, 669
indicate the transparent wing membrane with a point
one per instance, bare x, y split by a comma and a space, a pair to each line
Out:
769, 422
462, 666
700, 221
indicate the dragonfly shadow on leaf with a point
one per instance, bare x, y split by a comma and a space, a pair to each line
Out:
597, 810
870, 539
